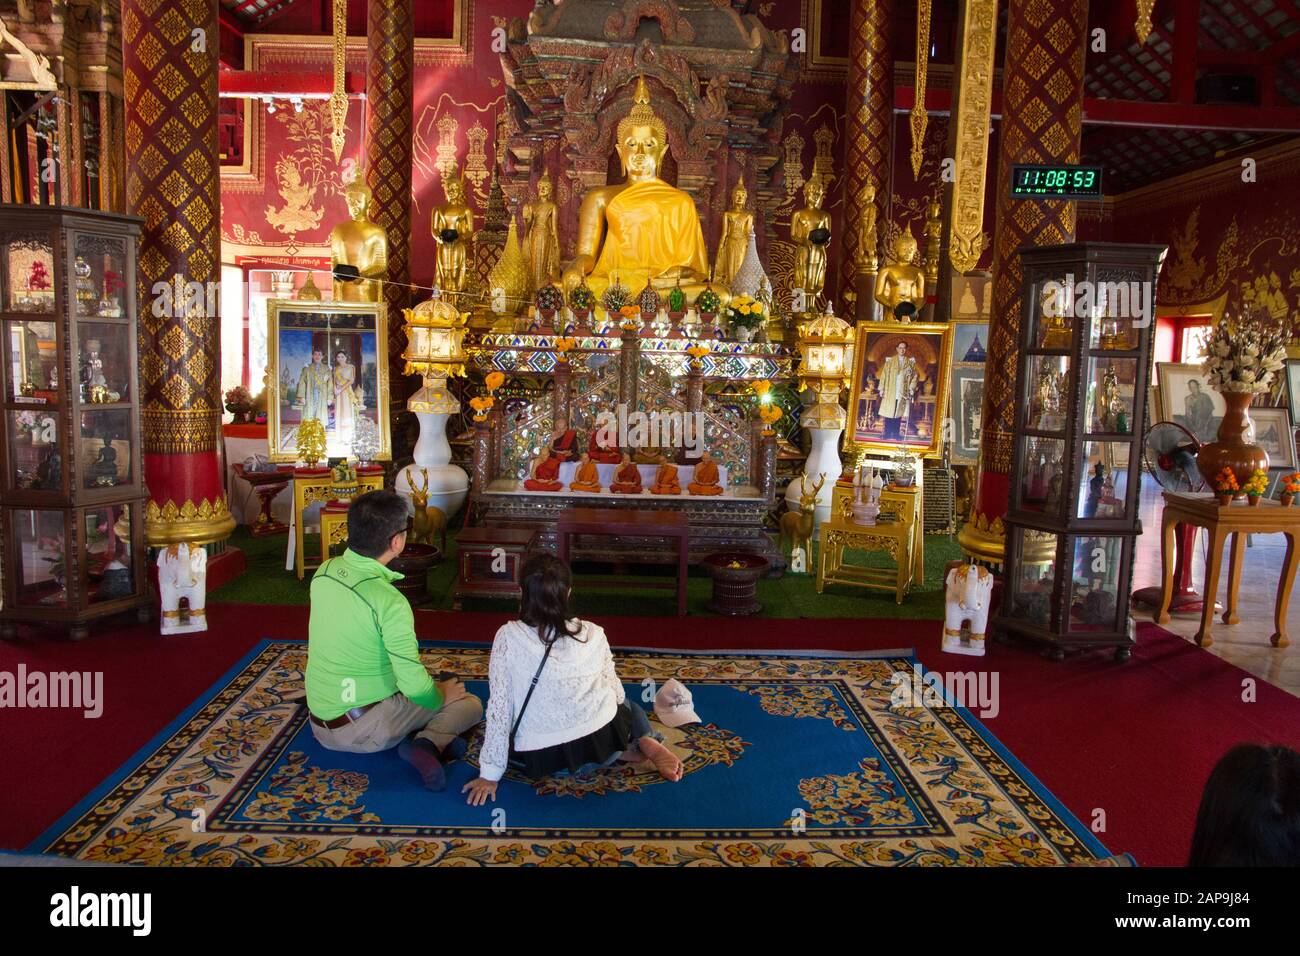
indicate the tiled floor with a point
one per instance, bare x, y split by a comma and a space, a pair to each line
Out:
1245, 644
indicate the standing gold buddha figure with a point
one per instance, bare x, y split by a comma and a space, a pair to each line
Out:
810, 230
453, 229
737, 225
900, 285
542, 237
643, 230
362, 244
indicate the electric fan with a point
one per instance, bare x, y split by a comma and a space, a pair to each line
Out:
1169, 454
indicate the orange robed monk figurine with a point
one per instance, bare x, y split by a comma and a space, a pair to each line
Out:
587, 477
706, 477
605, 454
627, 479
666, 482
564, 442
546, 473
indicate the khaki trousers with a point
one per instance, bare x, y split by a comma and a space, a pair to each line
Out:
390, 721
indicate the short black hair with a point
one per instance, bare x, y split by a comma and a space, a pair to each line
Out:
1250, 810
373, 519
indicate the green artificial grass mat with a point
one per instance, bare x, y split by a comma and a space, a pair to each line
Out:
790, 596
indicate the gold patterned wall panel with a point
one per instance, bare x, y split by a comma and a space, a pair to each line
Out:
974, 106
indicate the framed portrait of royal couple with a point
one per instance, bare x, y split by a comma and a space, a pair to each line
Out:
898, 397
328, 361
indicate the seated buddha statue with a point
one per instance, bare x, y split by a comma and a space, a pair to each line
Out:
705, 479
546, 473
627, 479
666, 482
603, 448
564, 441
642, 229
587, 478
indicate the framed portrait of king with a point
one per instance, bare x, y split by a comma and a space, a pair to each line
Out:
898, 397
328, 361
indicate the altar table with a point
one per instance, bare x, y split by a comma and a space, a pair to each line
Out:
893, 537
1236, 519
623, 522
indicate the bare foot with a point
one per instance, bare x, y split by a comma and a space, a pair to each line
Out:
665, 761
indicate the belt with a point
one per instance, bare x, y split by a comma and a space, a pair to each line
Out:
343, 719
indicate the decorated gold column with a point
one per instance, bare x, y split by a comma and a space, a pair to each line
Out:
172, 183
390, 32
869, 124
1042, 106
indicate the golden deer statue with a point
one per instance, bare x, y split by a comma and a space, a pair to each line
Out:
798, 526
427, 521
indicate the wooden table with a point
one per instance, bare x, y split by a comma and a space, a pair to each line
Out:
630, 524
488, 561
333, 527
893, 537
1236, 519
266, 484
312, 485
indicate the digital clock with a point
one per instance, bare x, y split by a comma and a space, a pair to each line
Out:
1055, 182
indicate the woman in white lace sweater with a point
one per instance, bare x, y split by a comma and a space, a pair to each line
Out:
577, 719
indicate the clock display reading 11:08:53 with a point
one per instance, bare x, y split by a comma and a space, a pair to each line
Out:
1056, 182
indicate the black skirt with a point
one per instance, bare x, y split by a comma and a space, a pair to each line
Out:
596, 747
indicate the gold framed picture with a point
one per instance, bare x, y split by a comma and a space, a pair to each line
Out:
898, 396
328, 361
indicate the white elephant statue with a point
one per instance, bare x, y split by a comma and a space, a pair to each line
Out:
183, 573
966, 598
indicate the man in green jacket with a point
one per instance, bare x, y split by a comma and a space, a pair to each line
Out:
366, 688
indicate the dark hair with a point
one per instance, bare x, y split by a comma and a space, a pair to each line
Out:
373, 519
1250, 810
545, 581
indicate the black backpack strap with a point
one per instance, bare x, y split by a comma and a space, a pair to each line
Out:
529, 695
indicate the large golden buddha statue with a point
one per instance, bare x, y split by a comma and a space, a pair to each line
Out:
643, 230
362, 244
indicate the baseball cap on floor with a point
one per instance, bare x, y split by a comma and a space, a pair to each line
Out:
674, 705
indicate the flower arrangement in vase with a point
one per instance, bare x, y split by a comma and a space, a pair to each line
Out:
616, 296
1257, 486
648, 301
904, 470
1226, 486
745, 313
549, 300
708, 303
582, 300
1243, 356
1290, 488
239, 402
676, 302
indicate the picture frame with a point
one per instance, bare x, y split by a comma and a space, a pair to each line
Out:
348, 393
967, 412
1203, 419
1274, 434
920, 393
1293, 388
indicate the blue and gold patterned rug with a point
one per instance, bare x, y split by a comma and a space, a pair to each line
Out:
800, 761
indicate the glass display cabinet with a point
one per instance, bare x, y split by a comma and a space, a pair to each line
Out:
72, 513
1081, 386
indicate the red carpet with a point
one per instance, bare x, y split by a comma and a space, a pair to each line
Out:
1135, 741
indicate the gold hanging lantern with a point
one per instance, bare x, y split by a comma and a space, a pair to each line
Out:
435, 336
824, 344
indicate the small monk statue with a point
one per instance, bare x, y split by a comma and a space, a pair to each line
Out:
810, 230
453, 228
705, 479
361, 244
737, 224
900, 286
587, 478
546, 473
541, 238
627, 479
666, 482
564, 441
602, 448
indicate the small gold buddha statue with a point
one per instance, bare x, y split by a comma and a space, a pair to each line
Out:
541, 236
643, 229
737, 224
810, 231
453, 228
362, 244
868, 259
901, 283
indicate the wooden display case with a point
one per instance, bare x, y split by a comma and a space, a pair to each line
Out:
1081, 387
70, 460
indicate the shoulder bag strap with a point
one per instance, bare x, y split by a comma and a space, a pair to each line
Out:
529, 695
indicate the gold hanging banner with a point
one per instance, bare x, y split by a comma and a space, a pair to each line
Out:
919, 116
1143, 25
974, 108
339, 98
